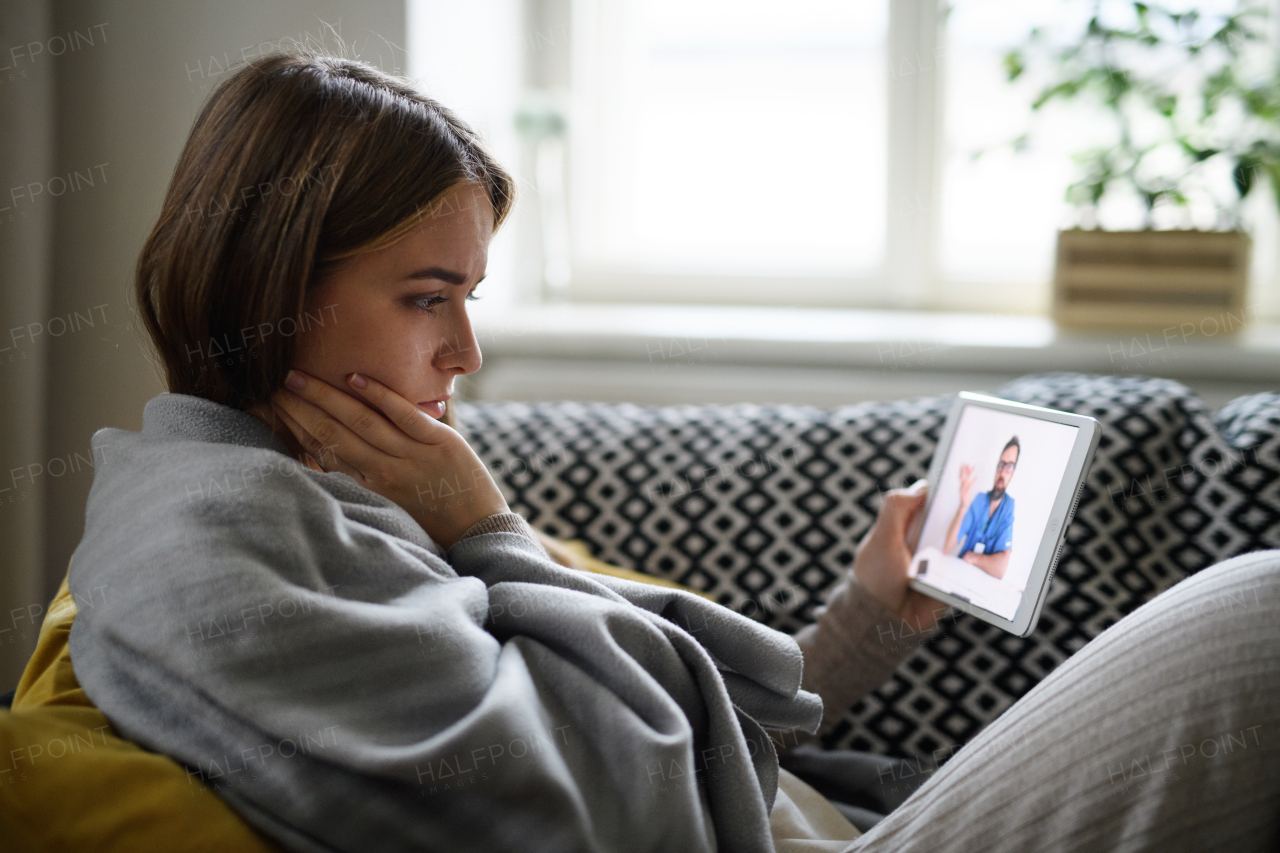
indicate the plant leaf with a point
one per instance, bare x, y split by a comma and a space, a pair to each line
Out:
1014, 65
1242, 174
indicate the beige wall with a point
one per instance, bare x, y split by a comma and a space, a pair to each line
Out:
26, 156
117, 110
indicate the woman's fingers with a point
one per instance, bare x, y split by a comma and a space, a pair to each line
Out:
917, 520
390, 447
900, 508
899, 517
328, 410
324, 436
414, 422
325, 458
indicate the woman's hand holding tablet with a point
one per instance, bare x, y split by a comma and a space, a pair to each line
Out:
884, 557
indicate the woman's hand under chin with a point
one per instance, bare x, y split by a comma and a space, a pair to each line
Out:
394, 449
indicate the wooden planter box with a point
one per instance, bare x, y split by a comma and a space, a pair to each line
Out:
1151, 280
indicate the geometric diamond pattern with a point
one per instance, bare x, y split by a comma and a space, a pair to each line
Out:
762, 507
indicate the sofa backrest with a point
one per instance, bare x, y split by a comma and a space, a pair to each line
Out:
763, 506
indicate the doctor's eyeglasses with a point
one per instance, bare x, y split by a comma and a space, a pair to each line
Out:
1003, 465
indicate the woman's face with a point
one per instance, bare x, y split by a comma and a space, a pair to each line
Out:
399, 314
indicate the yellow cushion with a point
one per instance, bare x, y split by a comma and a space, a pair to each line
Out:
68, 782
574, 554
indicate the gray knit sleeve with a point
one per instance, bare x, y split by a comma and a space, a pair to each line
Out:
503, 522
853, 647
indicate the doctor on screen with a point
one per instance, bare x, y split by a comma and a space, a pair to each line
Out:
985, 535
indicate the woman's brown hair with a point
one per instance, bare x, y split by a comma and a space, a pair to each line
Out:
295, 163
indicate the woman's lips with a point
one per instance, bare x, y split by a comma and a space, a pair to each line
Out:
434, 408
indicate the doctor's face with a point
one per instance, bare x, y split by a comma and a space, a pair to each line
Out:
1005, 468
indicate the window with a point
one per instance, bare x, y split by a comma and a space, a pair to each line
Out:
798, 154
728, 140
1000, 209
812, 153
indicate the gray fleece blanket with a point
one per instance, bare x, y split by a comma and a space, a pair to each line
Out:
301, 646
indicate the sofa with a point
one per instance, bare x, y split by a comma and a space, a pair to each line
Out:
762, 506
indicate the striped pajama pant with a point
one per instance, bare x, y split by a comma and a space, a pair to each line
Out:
1162, 734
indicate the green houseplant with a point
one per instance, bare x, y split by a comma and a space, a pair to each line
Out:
1193, 100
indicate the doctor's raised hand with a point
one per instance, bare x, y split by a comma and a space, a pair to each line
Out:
968, 479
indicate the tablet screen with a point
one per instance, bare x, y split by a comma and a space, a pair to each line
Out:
991, 507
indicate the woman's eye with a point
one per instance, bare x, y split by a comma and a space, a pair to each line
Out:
427, 303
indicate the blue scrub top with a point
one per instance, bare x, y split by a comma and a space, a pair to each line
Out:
995, 532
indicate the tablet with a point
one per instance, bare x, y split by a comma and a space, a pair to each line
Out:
1004, 485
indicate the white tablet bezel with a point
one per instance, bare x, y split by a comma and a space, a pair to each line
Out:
1064, 507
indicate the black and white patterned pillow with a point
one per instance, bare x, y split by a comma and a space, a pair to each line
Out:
762, 506
1244, 488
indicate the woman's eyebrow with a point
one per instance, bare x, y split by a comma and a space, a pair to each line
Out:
448, 276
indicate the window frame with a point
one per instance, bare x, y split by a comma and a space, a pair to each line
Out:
907, 276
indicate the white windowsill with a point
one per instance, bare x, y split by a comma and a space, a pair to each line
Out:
870, 340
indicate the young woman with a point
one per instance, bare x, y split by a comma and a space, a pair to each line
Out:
299, 548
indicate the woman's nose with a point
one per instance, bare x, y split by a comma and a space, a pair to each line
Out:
458, 351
